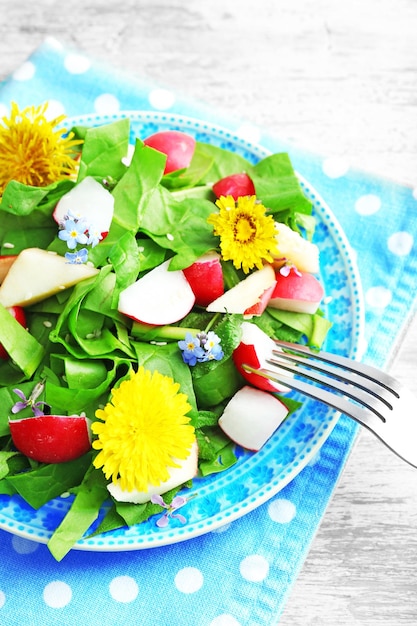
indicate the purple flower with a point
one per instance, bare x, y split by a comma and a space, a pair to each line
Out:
176, 503
31, 402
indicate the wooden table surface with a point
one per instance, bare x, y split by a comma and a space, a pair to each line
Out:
336, 79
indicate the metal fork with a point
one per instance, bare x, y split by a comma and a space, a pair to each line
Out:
368, 395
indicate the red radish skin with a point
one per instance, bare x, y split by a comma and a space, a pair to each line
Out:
178, 147
259, 307
299, 292
51, 438
19, 314
254, 348
235, 185
205, 277
158, 298
251, 417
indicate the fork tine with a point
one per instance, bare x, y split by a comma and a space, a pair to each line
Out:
382, 379
363, 386
363, 415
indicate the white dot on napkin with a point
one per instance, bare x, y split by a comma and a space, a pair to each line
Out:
335, 167
189, 580
25, 71
224, 620
2, 599
24, 546
249, 133
124, 589
222, 529
76, 63
57, 594
106, 104
281, 511
368, 204
254, 567
161, 99
378, 297
400, 243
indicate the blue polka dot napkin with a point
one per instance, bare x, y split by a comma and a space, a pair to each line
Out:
241, 574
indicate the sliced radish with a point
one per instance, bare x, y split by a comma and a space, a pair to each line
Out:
259, 307
178, 147
160, 297
19, 314
89, 201
177, 476
51, 438
299, 292
37, 274
235, 185
205, 276
294, 248
251, 417
245, 294
254, 349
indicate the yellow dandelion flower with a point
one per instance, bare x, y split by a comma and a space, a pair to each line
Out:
247, 234
32, 150
142, 430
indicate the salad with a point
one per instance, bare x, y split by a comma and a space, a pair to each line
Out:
141, 280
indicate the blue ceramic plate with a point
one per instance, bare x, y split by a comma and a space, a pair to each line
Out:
221, 498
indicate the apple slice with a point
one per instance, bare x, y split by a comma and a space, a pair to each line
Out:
251, 417
19, 315
294, 248
205, 276
37, 274
177, 476
254, 349
235, 185
178, 147
299, 292
245, 294
259, 307
51, 438
89, 201
160, 297
6, 261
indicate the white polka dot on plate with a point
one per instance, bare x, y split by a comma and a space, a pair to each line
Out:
2, 599
124, 589
254, 567
25, 71
400, 243
249, 133
161, 99
281, 511
378, 297
225, 620
335, 167
76, 63
106, 104
368, 204
24, 546
57, 594
189, 580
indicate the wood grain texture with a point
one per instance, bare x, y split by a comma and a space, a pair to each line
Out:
335, 79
